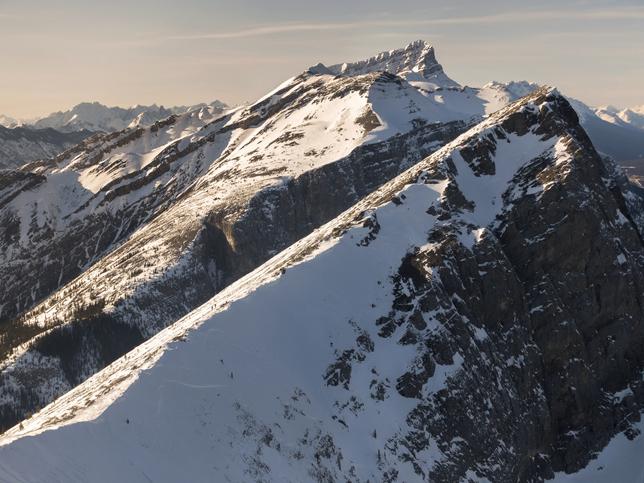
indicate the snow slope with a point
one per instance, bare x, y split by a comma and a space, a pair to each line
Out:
284, 376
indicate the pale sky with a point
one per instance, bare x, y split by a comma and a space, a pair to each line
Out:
57, 53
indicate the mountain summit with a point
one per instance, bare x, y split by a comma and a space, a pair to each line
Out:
415, 62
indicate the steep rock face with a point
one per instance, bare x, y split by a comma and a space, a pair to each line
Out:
156, 220
477, 318
286, 213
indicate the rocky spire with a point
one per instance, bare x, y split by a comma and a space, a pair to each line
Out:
416, 62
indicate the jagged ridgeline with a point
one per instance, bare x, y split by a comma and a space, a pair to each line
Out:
477, 318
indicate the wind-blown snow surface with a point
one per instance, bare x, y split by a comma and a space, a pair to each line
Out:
245, 387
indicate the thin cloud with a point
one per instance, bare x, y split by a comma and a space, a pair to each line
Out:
268, 30
8, 15
622, 13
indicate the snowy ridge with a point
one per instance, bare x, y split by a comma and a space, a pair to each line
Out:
82, 182
322, 385
617, 133
305, 136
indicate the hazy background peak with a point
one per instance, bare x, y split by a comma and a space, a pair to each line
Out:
58, 53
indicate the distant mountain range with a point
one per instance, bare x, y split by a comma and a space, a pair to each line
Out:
26, 141
97, 117
618, 134
9, 122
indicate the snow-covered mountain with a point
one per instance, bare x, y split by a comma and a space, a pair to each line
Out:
623, 141
477, 318
196, 202
136, 215
110, 242
416, 62
98, 117
617, 133
629, 117
214, 198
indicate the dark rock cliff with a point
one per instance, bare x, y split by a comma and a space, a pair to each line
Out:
546, 309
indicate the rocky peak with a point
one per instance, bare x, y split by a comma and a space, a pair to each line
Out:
417, 61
